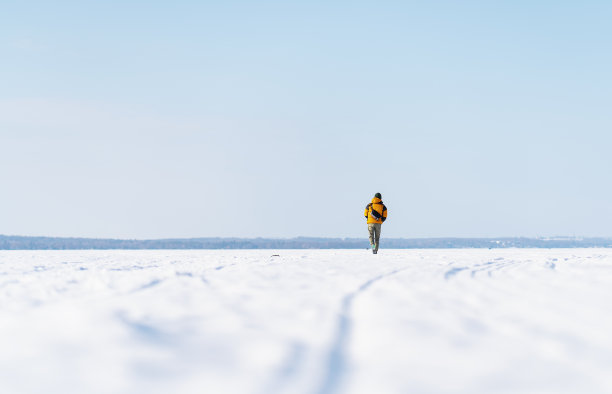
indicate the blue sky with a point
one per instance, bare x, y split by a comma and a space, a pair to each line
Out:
138, 119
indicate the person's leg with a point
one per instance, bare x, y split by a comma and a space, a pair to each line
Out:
371, 232
377, 238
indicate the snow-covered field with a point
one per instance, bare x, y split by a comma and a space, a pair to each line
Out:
323, 321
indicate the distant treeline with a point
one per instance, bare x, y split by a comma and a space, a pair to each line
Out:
52, 243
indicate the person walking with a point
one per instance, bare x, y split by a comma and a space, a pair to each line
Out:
376, 214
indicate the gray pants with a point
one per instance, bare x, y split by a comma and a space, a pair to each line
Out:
374, 230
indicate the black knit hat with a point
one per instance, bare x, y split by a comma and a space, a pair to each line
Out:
377, 195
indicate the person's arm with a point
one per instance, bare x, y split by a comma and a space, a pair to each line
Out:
384, 215
367, 208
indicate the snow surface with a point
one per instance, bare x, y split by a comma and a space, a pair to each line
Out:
322, 321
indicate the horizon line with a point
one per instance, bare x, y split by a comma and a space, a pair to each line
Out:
542, 237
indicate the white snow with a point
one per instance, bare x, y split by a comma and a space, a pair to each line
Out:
323, 321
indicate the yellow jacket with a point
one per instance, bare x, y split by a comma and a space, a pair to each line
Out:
376, 211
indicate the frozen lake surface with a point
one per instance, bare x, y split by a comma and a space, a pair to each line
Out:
306, 321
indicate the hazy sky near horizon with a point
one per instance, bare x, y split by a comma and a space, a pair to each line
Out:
149, 119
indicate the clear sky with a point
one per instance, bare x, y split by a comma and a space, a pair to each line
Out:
149, 119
